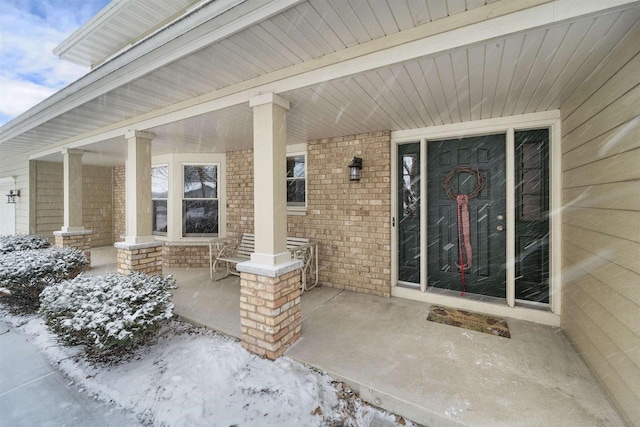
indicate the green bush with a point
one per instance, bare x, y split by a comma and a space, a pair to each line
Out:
109, 315
26, 273
22, 242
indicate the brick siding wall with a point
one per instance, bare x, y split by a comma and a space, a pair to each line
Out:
118, 203
239, 192
350, 220
184, 256
143, 260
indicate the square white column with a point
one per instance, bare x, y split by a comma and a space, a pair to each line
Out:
72, 190
138, 188
270, 191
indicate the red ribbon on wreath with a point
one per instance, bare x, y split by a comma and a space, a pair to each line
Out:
465, 251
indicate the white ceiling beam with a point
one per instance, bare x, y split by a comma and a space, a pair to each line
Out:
495, 20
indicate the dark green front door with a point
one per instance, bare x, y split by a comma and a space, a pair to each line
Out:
409, 213
487, 213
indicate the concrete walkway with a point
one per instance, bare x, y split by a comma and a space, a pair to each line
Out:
33, 393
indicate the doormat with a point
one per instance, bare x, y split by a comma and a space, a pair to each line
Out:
473, 321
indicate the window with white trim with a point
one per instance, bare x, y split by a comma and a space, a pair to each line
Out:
297, 181
159, 197
200, 200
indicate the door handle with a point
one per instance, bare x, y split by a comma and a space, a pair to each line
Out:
500, 228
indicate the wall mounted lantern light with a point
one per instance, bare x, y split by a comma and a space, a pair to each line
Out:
354, 169
11, 197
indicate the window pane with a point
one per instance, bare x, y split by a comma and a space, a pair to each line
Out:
295, 167
410, 185
295, 192
160, 182
159, 216
200, 182
199, 217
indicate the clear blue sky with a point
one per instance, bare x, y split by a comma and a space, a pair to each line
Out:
29, 30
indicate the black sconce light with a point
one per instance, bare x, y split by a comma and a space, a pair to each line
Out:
354, 169
11, 197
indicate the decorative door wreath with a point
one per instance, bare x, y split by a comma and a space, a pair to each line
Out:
464, 228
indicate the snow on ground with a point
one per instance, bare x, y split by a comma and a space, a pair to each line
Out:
193, 377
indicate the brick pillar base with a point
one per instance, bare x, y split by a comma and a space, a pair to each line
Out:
75, 239
269, 311
139, 257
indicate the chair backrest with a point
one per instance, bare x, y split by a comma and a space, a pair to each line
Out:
294, 242
247, 245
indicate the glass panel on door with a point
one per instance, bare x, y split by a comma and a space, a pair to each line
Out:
409, 213
532, 215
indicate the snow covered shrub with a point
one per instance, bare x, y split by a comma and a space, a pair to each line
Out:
22, 242
26, 273
108, 314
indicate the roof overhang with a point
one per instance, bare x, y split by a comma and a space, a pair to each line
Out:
204, 26
96, 40
220, 110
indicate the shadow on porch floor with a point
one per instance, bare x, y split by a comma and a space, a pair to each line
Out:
434, 374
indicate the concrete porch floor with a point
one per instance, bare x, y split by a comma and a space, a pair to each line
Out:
434, 374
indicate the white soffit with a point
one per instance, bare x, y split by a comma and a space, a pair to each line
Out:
118, 25
542, 67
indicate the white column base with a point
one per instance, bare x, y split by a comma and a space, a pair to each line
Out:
270, 259
269, 270
134, 240
65, 230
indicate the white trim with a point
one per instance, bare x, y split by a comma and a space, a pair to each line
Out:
555, 207
132, 133
507, 125
269, 270
166, 199
394, 214
269, 98
424, 246
182, 199
7, 210
299, 150
522, 313
477, 127
510, 216
176, 187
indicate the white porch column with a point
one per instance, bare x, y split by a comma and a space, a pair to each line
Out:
138, 188
73, 233
270, 319
72, 185
270, 193
139, 252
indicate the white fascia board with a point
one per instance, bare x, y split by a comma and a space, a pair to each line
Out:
205, 26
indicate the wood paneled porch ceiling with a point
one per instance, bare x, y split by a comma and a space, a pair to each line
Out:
522, 73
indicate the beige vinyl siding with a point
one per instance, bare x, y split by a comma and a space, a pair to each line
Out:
601, 223
97, 206
19, 169
48, 198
